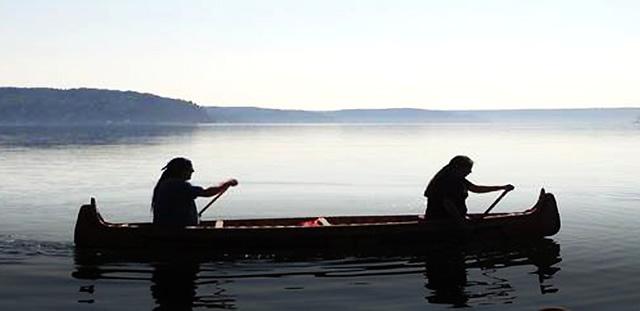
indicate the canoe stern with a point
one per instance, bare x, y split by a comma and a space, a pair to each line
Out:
87, 225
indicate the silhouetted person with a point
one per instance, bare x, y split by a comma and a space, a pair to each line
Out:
448, 190
173, 196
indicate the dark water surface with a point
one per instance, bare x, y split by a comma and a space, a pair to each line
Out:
294, 170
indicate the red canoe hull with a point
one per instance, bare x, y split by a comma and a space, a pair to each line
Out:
251, 235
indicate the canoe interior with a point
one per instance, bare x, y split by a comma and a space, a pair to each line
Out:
299, 221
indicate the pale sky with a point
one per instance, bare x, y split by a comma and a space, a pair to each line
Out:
324, 55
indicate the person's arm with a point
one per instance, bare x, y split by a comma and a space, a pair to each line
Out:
211, 191
484, 189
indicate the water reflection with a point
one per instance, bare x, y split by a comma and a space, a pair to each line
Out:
174, 287
446, 272
446, 277
452, 275
174, 282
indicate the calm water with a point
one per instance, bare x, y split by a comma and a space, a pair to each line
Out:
293, 170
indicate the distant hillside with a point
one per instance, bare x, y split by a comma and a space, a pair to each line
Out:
263, 115
409, 115
93, 106
585, 115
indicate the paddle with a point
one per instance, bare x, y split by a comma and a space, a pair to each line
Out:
496, 202
212, 200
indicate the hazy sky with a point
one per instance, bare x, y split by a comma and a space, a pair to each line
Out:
323, 55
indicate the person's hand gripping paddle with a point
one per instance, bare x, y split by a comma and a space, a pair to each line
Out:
227, 185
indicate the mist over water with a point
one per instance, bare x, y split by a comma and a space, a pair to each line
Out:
321, 170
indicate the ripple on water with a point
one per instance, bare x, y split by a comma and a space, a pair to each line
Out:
14, 249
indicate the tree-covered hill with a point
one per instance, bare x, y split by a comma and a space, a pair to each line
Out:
93, 106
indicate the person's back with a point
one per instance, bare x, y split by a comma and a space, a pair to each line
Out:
174, 203
446, 186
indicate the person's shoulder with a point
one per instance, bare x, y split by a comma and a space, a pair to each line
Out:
175, 183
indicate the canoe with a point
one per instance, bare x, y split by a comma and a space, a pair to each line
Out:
346, 232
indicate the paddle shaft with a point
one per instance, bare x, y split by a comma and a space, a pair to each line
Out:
212, 200
496, 202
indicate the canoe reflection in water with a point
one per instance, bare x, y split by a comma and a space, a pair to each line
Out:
174, 283
453, 275
447, 281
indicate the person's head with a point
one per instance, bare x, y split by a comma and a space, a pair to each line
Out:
178, 168
461, 164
